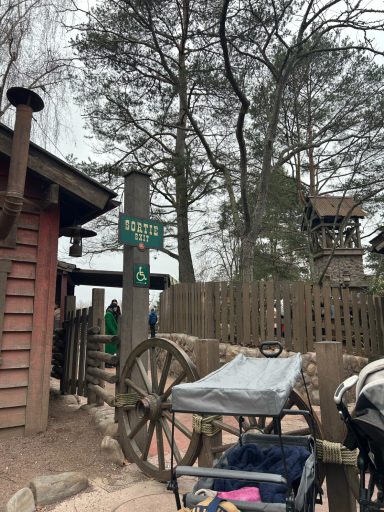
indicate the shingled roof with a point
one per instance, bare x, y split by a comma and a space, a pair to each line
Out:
330, 206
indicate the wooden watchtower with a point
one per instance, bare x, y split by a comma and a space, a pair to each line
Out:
333, 224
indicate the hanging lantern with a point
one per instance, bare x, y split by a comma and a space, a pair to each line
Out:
76, 234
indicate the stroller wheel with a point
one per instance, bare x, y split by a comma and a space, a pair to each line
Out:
145, 418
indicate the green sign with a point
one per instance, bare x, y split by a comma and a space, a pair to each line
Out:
142, 233
140, 275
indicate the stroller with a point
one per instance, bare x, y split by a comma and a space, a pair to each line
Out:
282, 469
365, 431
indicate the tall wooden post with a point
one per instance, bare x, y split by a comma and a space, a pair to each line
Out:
329, 357
135, 303
207, 361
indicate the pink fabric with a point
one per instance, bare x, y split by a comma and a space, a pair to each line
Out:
243, 494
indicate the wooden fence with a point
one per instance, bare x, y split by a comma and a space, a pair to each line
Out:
297, 313
78, 357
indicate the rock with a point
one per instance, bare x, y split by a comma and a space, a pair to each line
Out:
22, 501
105, 425
112, 450
68, 399
49, 489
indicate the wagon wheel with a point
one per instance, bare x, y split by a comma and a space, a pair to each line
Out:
145, 422
291, 425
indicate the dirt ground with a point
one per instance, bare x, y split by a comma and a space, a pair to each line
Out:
71, 443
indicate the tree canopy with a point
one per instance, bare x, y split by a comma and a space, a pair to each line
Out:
214, 99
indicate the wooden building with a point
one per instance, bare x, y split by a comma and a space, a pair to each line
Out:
333, 224
54, 196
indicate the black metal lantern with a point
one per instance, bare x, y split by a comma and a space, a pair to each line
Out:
77, 233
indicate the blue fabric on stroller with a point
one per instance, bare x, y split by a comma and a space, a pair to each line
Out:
250, 457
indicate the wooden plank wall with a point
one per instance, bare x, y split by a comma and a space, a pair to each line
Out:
17, 325
296, 313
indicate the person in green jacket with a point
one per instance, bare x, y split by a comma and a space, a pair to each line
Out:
111, 315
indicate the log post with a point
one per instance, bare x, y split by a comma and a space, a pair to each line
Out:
329, 356
207, 361
97, 320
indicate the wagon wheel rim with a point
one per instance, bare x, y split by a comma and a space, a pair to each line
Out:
265, 425
145, 424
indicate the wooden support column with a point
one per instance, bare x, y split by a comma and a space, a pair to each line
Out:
329, 356
133, 324
207, 361
135, 303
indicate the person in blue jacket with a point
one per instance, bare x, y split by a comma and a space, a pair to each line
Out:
152, 320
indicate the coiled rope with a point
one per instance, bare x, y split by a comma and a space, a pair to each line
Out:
204, 424
335, 453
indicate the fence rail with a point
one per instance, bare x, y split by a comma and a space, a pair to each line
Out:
297, 313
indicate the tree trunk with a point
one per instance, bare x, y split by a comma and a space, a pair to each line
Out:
186, 271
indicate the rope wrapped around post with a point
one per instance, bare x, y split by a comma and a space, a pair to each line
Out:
205, 424
126, 399
335, 453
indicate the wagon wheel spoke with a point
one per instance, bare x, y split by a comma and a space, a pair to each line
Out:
160, 445
153, 361
148, 440
144, 375
134, 386
136, 429
165, 372
185, 430
177, 381
168, 435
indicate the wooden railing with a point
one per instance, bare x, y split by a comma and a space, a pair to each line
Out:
296, 313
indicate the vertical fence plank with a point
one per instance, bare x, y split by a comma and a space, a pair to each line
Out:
246, 314
364, 323
301, 345
381, 315
287, 315
224, 311
278, 313
308, 298
217, 308
262, 310
347, 320
327, 312
193, 310
270, 310
337, 305
210, 320
239, 336
232, 318
83, 351
372, 326
317, 313
356, 322
75, 353
379, 318
255, 315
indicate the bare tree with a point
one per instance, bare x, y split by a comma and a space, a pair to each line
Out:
34, 52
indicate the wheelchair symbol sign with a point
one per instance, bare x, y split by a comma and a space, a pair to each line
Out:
141, 275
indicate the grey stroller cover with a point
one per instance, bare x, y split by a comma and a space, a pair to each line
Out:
368, 417
244, 386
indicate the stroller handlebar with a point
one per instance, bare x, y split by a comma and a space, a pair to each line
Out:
343, 387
